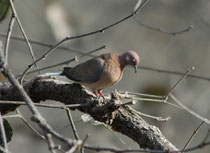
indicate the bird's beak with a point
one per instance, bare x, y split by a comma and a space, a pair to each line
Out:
135, 68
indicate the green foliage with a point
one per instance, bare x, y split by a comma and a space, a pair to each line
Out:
4, 9
8, 131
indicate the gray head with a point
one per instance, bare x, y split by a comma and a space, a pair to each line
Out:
131, 58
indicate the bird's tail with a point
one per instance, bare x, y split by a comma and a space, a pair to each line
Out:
52, 74
63, 73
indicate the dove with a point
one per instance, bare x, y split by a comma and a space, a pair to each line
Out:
102, 71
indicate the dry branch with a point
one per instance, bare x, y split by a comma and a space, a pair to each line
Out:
120, 119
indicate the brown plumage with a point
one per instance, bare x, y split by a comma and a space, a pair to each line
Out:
102, 71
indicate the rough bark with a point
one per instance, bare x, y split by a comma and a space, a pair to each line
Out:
121, 118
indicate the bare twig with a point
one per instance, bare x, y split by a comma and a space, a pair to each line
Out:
50, 142
145, 95
173, 72
137, 5
22, 30
184, 76
72, 124
157, 118
83, 142
128, 103
73, 149
45, 105
163, 101
189, 110
173, 33
9, 32
3, 134
69, 61
11, 116
154, 98
45, 44
19, 115
193, 135
31, 127
44, 56
3, 150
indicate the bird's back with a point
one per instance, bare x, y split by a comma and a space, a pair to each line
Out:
97, 73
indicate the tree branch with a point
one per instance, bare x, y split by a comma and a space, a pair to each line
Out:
110, 112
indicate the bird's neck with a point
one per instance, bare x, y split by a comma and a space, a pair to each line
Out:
122, 61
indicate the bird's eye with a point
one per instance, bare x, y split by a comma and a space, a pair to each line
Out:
134, 61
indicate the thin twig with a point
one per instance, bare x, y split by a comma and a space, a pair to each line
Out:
50, 142
73, 148
22, 30
45, 44
145, 95
3, 134
31, 127
173, 72
189, 110
176, 84
44, 56
83, 142
169, 92
193, 135
45, 105
3, 150
128, 103
173, 33
163, 101
157, 118
153, 98
11, 116
8, 36
69, 61
72, 124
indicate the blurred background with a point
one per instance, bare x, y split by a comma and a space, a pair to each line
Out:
50, 21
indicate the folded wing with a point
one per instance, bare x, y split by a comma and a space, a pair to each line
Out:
88, 72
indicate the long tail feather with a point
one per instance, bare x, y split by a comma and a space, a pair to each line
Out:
52, 74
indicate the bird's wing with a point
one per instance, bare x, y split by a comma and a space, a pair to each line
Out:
89, 71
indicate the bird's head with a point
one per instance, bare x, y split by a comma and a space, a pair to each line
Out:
131, 58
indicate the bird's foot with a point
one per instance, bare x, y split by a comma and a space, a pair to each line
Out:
95, 93
99, 94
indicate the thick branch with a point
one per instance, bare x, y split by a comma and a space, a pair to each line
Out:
121, 119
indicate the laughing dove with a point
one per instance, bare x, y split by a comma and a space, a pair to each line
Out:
102, 71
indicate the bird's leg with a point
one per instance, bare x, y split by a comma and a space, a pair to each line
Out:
95, 93
101, 94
